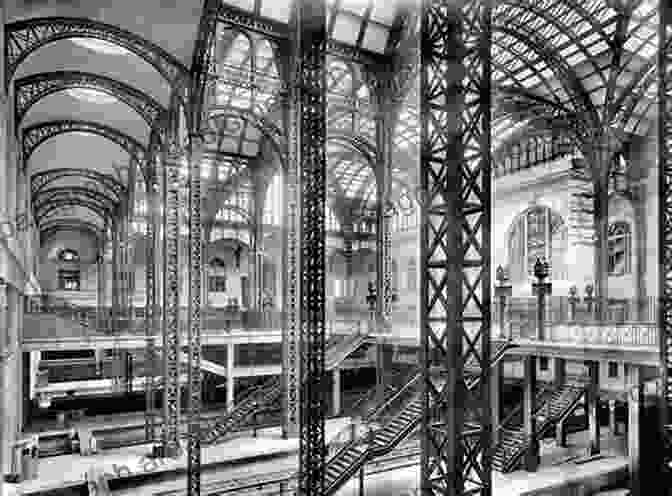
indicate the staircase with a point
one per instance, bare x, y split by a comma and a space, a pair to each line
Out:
553, 407
379, 441
267, 396
340, 346
392, 422
260, 399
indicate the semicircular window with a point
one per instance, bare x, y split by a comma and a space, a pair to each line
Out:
68, 255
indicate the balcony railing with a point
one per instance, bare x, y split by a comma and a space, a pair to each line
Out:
213, 319
626, 322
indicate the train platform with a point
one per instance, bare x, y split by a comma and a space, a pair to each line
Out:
562, 470
132, 462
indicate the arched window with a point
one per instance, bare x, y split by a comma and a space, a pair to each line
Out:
217, 276
69, 276
68, 255
332, 222
620, 249
537, 233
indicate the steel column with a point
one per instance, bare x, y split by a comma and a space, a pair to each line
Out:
150, 308
195, 293
291, 357
115, 277
455, 245
665, 224
308, 29
171, 299
384, 128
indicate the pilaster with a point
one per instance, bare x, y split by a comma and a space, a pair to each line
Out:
635, 390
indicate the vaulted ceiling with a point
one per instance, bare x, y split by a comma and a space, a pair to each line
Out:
552, 60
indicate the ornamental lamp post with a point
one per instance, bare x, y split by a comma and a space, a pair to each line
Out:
573, 300
541, 289
589, 298
503, 289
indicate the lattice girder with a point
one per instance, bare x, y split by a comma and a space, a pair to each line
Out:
99, 182
24, 37
455, 245
33, 136
31, 89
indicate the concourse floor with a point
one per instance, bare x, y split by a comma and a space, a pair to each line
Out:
405, 481
70, 470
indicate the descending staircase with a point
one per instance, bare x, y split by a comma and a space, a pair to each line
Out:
267, 396
259, 399
391, 423
554, 406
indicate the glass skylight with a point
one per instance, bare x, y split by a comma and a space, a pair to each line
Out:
91, 96
100, 46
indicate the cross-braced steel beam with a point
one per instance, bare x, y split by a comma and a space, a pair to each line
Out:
455, 245
31, 89
665, 225
308, 32
33, 136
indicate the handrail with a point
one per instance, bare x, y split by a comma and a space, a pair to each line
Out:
411, 383
504, 423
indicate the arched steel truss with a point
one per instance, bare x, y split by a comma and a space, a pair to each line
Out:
31, 89
24, 37
269, 129
33, 136
41, 180
51, 227
50, 199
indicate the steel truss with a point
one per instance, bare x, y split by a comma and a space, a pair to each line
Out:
24, 37
33, 136
665, 223
31, 89
309, 118
455, 245
41, 180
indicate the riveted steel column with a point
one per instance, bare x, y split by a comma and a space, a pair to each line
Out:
348, 235
150, 306
4, 351
291, 353
171, 298
665, 225
383, 190
195, 293
115, 277
100, 289
455, 245
309, 43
